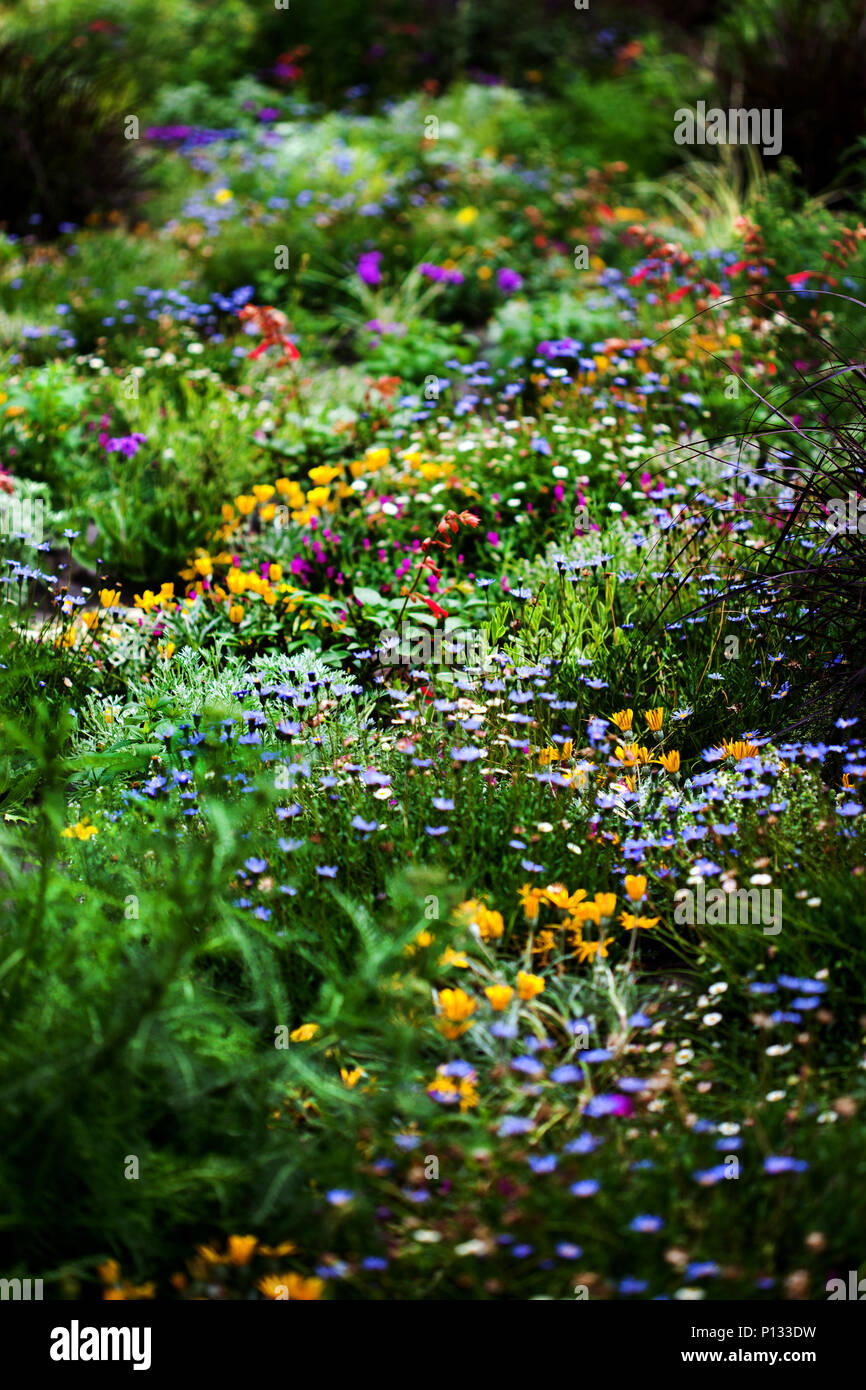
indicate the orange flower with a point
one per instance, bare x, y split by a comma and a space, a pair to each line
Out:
241, 1249
289, 1286
456, 1008
499, 996
670, 761
635, 886
529, 985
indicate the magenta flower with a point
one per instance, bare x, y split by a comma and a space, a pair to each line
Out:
508, 280
368, 268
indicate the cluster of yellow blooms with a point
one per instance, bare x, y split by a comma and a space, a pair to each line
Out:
456, 1007
632, 754
578, 911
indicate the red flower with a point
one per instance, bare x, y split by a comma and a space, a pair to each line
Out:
432, 605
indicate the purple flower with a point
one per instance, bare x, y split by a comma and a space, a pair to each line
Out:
368, 268
508, 280
608, 1105
326, 870
256, 866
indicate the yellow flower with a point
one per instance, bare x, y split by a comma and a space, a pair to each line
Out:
606, 904
209, 1255
323, 474
223, 195
377, 458
285, 1247
204, 564
236, 613
490, 924
670, 761
304, 1033
587, 950
547, 755
245, 504
499, 996
529, 985
630, 921
275, 573
351, 1078
167, 651
736, 748
305, 1290
451, 957
456, 1005
635, 886
147, 600
531, 899
109, 597
622, 719
80, 831
484, 272
241, 1249
109, 1272
466, 216
263, 491
424, 938
588, 912
628, 755
276, 1286
655, 717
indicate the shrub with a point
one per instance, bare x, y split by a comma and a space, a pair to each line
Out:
66, 155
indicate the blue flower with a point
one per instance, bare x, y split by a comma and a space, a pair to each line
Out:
543, 1163
567, 1073
339, 1196
779, 1163
514, 1124
645, 1225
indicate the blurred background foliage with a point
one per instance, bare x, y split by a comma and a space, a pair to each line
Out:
72, 70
